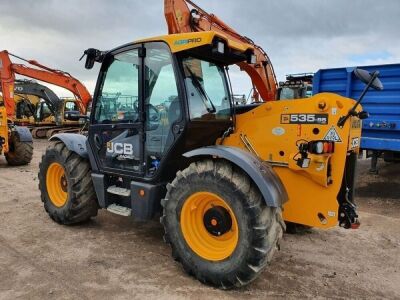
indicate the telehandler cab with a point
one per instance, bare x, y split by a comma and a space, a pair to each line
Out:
164, 136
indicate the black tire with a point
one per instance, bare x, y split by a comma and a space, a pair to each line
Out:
81, 203
20, 153
260, 227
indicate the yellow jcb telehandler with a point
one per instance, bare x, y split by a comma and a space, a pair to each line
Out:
164, 137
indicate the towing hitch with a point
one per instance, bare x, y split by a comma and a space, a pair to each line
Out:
348, 217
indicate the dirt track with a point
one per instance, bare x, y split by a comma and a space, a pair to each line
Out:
114, 257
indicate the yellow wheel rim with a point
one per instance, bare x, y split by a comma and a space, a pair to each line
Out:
56, 184
209, 226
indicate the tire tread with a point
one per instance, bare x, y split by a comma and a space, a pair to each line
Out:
82, 197
267, 222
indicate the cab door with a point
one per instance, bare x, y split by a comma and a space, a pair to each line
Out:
116, 132
163, 105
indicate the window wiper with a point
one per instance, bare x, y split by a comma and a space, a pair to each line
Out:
206, 99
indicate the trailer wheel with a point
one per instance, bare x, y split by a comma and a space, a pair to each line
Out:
20, 153
66, 185
218, 225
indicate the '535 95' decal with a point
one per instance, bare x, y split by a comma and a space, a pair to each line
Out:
321, 119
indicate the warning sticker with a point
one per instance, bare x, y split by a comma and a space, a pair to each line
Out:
355, 143
332, 135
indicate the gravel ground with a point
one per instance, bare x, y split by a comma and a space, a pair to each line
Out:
112, 257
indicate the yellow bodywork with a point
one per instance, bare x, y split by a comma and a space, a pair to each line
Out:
32, 99
184, 41
3, 130
268, 133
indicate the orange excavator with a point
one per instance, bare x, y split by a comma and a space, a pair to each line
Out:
39, 72
184, 16
16, 141
66, 120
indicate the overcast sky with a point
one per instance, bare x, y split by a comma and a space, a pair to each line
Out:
298, 35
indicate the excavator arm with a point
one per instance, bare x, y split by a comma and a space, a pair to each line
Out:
39, 72
180, 19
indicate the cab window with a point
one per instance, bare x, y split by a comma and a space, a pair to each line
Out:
71, 106
206, 90
118, 97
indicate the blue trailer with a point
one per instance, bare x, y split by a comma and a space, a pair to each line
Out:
381, 130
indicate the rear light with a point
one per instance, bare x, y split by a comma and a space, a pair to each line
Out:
313, 147
318, 147
326, 147
321, 147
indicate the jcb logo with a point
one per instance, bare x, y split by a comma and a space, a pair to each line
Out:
285, 119
119, 148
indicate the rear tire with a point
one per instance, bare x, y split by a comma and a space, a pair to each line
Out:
20, 153
260, 228
66, 185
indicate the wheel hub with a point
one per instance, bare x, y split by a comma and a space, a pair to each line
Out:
63, 182
209, 226
217, 220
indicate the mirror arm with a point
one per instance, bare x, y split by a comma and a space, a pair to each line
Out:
352, 111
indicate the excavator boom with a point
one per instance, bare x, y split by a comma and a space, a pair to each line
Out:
42, 73
181, 19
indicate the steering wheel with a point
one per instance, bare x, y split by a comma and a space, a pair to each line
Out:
155, 116
136, 106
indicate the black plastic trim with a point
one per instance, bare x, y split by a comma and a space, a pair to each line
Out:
23, 133
74, 142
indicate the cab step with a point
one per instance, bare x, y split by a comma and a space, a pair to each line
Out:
119, 210
119, 191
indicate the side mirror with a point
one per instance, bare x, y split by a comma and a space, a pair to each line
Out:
92, 56
366, 77
370, 80
89, 63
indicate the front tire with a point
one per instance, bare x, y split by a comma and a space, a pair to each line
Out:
218, 225
66, 185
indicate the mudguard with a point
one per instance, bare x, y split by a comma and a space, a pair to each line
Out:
23, 133
262, 174
74, 142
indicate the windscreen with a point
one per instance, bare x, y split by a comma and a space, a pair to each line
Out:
206, 89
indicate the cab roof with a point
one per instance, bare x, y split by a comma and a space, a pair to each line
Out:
185, 41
